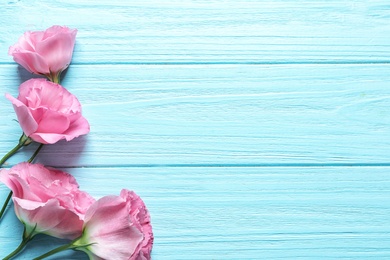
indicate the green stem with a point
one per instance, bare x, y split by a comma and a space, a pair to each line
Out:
17, 250
54, 251
5, 204
10, 193
25, 240
22, 141
35, 153
54, 77
76, 244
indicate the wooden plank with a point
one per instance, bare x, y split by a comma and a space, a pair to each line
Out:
220, 115
216, 113
247, 212
227, 31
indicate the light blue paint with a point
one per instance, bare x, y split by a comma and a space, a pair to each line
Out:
252, 129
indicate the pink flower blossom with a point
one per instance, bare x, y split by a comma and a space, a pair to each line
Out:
47, 112
46, 52
47, 200
117, 227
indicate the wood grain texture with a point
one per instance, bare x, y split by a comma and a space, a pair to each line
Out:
252, 129
228, 31
222, 114
252, 212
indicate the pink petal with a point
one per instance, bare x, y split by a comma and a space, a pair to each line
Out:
107, 225
57, 50
45, 52
48, 199
26, 120
77, 128
31, 61
52, 219
53, 122
46, 138
142, 220
48, 112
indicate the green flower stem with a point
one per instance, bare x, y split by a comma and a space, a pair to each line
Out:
75, 244
5, 204
22, 142
17, 250
54, 251
25, 240
10, 193
54, 77
35, 153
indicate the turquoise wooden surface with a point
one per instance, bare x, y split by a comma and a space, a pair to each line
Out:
252, 129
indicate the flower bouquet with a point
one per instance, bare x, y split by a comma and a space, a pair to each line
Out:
47, 200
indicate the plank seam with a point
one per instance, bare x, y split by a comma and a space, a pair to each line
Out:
374, 62
260, 165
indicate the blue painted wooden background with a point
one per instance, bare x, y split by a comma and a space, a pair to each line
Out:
252, 129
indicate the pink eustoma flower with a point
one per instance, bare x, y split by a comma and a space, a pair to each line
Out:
47, 112
47, 200
46, 52
117, 227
